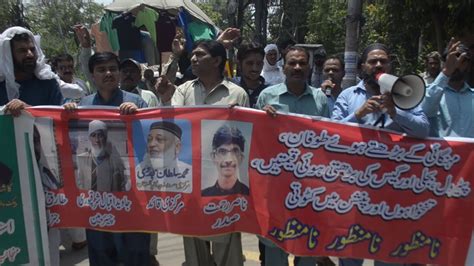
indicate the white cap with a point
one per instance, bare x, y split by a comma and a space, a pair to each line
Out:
96, 125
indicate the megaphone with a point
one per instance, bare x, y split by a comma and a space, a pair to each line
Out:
407, 91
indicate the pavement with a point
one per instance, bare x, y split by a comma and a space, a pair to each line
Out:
171, 252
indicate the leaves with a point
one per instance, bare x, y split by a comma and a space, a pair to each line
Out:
53, 21
411, 28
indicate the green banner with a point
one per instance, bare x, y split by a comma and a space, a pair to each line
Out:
22, 220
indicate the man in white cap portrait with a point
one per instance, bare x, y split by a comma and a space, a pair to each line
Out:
161, 169
100, 168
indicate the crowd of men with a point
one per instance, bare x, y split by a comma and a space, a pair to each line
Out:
290, 85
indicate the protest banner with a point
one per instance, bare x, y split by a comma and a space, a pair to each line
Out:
312, 186
23, 235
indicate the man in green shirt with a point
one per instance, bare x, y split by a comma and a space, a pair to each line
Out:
292, 96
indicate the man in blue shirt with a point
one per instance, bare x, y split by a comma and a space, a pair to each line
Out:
365, 105
292, 96
27, 79
449, 100
104, 68
105, 248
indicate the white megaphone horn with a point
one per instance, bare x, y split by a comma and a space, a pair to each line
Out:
407, 91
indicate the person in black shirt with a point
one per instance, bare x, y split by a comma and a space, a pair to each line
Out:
250, 62
227, 154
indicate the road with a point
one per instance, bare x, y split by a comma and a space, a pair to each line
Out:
171, 253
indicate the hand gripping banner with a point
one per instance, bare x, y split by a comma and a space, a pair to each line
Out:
312, 187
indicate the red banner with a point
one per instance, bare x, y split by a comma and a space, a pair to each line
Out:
313, 187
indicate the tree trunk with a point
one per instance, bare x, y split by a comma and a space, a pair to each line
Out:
260, 21
439, 32
354, 11
240, 15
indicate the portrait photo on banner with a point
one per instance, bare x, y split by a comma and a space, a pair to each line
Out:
100, 155
46, 153
163, 155
225, 147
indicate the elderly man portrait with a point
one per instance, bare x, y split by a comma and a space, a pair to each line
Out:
100, 168
161, 169
227, 155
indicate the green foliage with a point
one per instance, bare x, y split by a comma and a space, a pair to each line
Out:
53, 21
11, 14
411, 28
212, 11
274, 25
326, 24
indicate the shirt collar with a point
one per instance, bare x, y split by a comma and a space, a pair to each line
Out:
464, 88
117, 93
224, 83
242, 84
283, 89
234, 188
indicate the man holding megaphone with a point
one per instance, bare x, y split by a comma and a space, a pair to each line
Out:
383, 100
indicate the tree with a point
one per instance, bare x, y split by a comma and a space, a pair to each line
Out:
53, 21
11, 14
410, 28
326, 25
294, 20
214, 11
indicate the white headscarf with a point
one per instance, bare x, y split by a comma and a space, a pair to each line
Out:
96, 125
272, 74
7, 73
266, 65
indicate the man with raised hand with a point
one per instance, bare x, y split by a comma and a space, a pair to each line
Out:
211, 88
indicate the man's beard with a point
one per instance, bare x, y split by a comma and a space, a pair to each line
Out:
457, 76
26, 67
370, 80
165, 160
97, 152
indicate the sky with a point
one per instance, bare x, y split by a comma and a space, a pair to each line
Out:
105, 2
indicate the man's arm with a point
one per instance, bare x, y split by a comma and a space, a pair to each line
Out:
55, 97
244, 101
179, 97
151, 99
164, 90
171, 67
340, 110
413, 122
85, 52
434, 93
71, 90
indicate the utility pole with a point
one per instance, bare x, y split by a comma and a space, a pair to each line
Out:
354, 14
